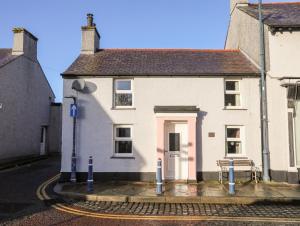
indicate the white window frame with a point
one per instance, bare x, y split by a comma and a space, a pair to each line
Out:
123, 92
241, 139
122, 139
235, 92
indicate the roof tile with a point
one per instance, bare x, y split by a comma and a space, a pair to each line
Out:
285, 14
161, 62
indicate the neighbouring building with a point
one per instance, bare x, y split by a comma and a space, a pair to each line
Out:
282, 44
28, 114
187, 107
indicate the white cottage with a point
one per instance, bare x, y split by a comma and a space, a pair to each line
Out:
188, 107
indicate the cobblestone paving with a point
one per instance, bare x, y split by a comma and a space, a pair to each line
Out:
195, 209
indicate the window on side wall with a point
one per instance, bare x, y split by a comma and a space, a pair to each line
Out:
123, 93
123, 140
234, 141
232, 94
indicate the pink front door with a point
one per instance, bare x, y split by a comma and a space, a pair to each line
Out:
176, 151
179, 163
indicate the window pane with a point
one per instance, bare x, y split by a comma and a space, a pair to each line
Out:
174, 141
232, 85
233, 133
123, 99
232, 100
123, 85
123, 132
234, 147
123, 147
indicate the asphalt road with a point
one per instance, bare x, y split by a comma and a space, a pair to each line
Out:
19, 204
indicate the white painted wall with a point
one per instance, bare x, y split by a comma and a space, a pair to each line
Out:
95, 125
285, 54
284, 62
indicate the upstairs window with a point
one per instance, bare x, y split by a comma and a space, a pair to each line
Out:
234, 140
123, 93
232, 94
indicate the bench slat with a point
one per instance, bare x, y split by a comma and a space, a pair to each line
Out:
236, 162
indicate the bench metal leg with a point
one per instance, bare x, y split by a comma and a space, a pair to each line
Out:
255, 175
221, 177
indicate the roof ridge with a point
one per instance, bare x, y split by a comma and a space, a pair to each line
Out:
170, 49
275, 3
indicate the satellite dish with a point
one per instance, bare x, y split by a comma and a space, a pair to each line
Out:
78, 85
82, 86
89, 88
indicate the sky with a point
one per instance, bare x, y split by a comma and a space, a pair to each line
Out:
199, 24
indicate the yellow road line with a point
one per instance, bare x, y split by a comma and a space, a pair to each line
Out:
40, 192
42, 195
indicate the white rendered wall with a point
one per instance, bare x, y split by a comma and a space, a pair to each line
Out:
97, 118
284, 62
285, 54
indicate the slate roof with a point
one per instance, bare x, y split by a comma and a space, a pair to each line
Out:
284, 14
161, 62
6, 56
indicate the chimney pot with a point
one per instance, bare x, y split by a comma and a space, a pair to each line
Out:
90, 36
90, 18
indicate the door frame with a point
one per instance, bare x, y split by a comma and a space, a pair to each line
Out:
43, 140
191, 120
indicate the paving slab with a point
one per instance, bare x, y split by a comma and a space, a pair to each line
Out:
204, 192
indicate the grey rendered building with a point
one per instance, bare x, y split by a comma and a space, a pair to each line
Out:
26, 102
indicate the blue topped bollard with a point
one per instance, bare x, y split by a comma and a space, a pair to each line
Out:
231, 178
90, 180
159, 178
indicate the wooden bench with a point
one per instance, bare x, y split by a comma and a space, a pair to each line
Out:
239, 165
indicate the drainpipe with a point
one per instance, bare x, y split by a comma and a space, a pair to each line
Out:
264, 110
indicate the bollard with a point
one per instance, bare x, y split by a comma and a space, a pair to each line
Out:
90, 180
159, 178
231, 178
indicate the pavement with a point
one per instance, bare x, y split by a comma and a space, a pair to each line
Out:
21, 204
210, 192
20, 161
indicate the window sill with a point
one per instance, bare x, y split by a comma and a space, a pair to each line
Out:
122, 157
236, 157
127, 108
235, 108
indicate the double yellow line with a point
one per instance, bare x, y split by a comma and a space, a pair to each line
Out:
42, 195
